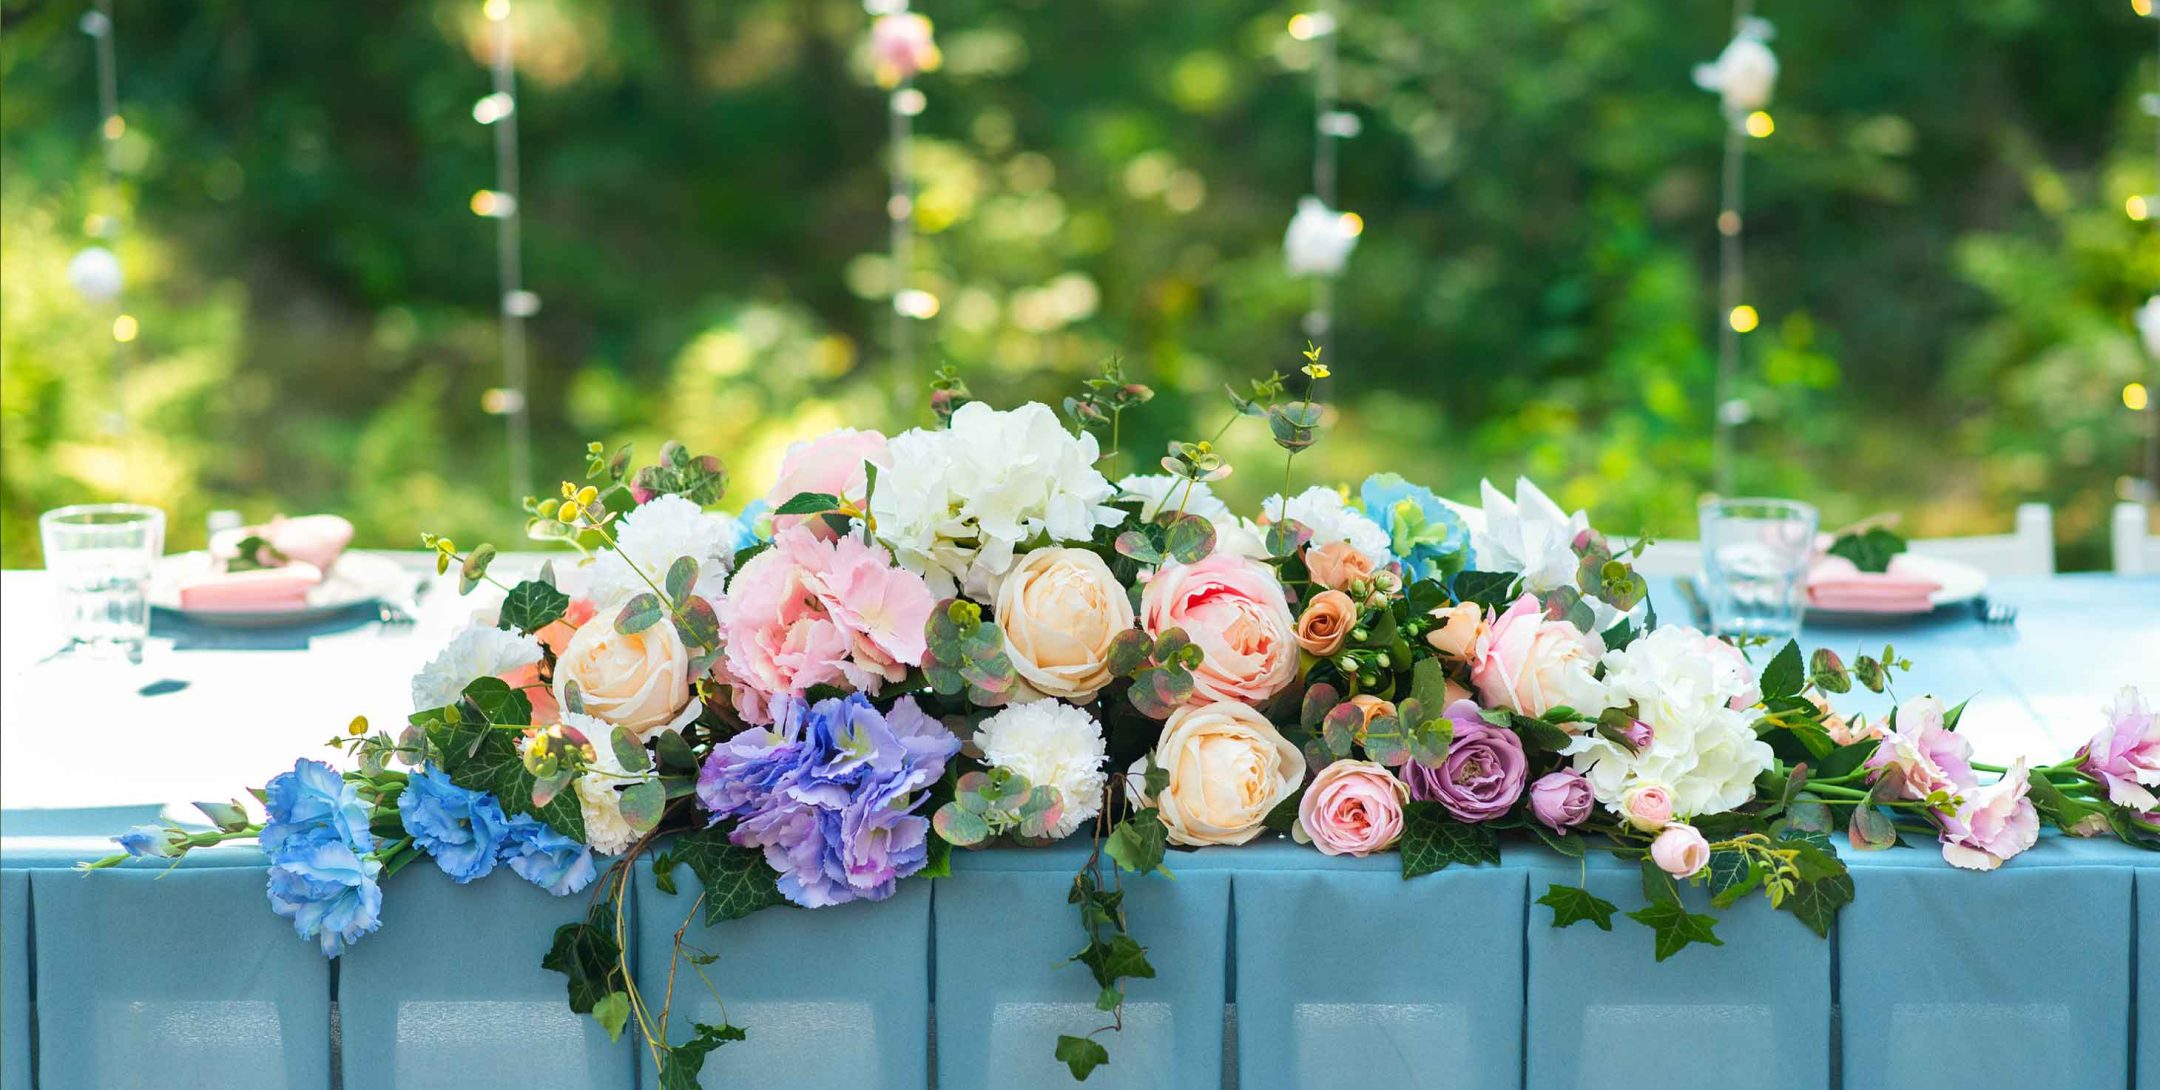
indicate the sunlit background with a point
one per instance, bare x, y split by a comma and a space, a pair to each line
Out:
1947, 238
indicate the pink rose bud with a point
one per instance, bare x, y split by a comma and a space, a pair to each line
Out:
1680, 851
1649, 807
1639, 735
1561, 800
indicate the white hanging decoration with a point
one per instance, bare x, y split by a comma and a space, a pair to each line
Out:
2148, 326
94, 273
1319, 240
1745, 74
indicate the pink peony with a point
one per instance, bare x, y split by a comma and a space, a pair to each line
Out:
1533, 664
1233, 609
1352, 808
1680, 851
2125, 755
832, 464
1927, 756
809, 612
1992, 824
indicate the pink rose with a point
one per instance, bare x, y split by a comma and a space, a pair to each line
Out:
1927, 756
1233, 609
1352, 808
1680, 851
2125, 755
1648, 807
832, 464
1533, 664
1561, 800
1992, 824
808, 612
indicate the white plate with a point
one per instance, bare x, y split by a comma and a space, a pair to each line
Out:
1961, 583
356, 579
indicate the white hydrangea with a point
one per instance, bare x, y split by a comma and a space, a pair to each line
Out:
599, 789
1051, 743
1162, 490
1323, 511
479, 651
961, 501
652, 537
1702, 751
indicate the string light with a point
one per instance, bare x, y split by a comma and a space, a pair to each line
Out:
493, 203
1320, 237
2142, 7
496, 10
902, 45
125, 328
915, 303
1759, 124
1307, 25
498, 111
1743, 76
2135, 397
2136, 207
493, 108
1744, 319
1353, 224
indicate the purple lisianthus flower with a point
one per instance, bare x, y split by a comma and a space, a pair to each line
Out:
327, 889
1482, 774
313, 794
147, 842
463, 829
546, 858
1561, 800
2125, 755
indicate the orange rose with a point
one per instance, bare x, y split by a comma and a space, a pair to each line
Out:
1326, 623
1372, 707
1337, 564
1460, 627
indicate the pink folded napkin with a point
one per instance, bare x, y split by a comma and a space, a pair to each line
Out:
262, 590
1834, 583
314, 539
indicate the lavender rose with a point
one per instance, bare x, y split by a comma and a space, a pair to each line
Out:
1561, 800
1482, 774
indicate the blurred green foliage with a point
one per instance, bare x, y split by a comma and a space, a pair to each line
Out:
1936, 241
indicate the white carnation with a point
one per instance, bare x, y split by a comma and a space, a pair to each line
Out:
1323, 511
960, 502
599, 788
1701, 750
1053, 744
477, 652
653, 537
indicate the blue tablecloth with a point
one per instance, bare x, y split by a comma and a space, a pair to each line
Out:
1335, 972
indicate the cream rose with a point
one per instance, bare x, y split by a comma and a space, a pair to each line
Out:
639, 681
1228, 767
1060, 610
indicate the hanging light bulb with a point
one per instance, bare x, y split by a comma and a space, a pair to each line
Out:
494, 108
1744, 319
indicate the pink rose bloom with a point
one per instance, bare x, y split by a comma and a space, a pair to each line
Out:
1680, 851
2125, 755
1928, 756
1992, 824
1533, 664
1352, 808
832, 463
1648, 807
1561, 800
809, 612
1233, 609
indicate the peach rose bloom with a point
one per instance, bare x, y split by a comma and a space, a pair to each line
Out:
1461, 626
1060, 609
1371, 707
1337, 564
1648, 807
639, 681
1533, 664
1326, 623
1352, 808
1233, 609
1228, 768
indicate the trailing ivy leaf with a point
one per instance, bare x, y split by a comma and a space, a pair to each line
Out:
1572, 905
1676, 928
497, 702
639, 614
531, 606
1731, 876
1570, 846
1816, 903
475, 568
1657, 886
808, 503
613, 1013
586, 954
1784, 676
1137, 843
1081, 1054
1432, 840
737, 880
1813, 857
680, 1064
1118, 959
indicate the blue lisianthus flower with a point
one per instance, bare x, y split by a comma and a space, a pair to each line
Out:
546, 858
314, 795
147, 842
327, 889
1431, 541
461, 828
743, 530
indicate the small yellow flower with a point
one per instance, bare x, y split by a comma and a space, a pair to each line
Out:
445, 546
1316, 371
569, 491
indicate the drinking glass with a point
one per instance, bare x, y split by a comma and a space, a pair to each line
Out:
1755, 556
102, 554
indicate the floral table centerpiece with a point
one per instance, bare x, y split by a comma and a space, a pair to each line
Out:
970, 634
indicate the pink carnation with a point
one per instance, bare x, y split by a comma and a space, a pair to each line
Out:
832, 464
809, 612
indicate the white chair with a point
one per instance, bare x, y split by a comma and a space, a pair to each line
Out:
2137, 548
2029, 550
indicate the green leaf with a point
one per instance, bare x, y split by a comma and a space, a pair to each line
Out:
1870, 829
642, 805
496, 702
681, 576
1570, 846
1657, 886
698, 624
808, 503
1816, 903
613, 1013
1137, 843
1117, 959
1432, 840
639, 614
1488, 589
1572, 905
681, 1064
531, 606
1731, 876
1676, 928
479, 756
1190, 539
1081, 1054
475, 568
629, 752
586, 954
737, 880
674, 754
1870, 550
1785, 676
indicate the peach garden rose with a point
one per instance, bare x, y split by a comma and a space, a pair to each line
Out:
639, 681
1060, 609
1228, 767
